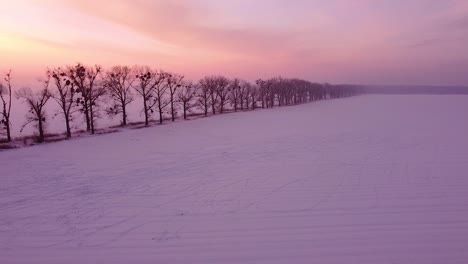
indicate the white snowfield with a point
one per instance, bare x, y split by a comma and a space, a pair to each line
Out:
368, 179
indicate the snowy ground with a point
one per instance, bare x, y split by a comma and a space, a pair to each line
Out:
369, 179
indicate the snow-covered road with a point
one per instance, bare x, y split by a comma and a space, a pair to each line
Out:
369, 179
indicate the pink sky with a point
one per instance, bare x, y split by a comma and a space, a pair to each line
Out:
339, 41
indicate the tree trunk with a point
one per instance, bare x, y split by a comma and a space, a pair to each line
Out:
86, 113
91, 117
172, 110
67, 123
160, 115
41, 131
213, 104
7, 125
185, 110
124, 114
146, 112
6, 117
222, 106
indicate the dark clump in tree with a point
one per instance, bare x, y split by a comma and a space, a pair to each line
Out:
5, 111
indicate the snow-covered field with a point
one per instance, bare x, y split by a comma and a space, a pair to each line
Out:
368, 179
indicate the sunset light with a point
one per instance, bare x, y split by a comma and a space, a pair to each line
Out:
368, 42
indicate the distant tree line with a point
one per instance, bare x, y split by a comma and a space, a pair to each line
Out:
415, 89
91, 90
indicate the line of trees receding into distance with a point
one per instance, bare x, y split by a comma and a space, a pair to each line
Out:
90, 90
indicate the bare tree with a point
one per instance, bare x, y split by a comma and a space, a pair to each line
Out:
245, 86
97, 92
77, 74
203, 95
185, 96
88, 86
36, 102
160, 87
119, 81
64, 95
145, 89
235, 93
209, 84
222, 91
174, 82
253, 94
260, 84
5, 112
217, 87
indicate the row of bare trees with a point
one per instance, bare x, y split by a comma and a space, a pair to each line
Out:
90, 90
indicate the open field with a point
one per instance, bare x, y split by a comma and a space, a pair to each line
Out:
368, 179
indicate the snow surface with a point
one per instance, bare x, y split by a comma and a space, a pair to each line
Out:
368, 179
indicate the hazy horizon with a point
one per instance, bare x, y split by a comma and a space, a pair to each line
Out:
360, 42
